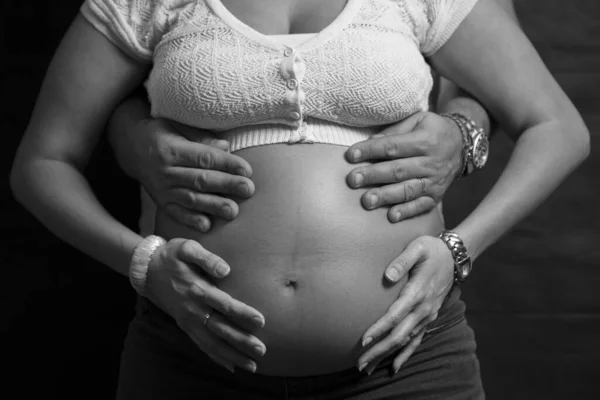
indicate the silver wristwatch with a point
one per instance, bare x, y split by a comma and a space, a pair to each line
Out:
475, 143
462, 261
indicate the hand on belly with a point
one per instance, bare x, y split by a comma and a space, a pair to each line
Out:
306, 254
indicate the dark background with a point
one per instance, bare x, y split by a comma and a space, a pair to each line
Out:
532, 299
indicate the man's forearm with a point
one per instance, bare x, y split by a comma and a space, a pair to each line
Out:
121, 131
452, 99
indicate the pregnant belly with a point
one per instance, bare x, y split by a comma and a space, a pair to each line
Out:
306, 254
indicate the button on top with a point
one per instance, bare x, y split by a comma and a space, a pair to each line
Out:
294, 115
288, 52
292, 84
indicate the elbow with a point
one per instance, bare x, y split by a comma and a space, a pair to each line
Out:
17, 181
21, 177
582, 143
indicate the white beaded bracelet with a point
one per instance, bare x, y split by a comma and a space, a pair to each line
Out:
138, 268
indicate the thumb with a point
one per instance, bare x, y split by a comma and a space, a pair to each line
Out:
405, 126
218, 143
201, 136
401, 265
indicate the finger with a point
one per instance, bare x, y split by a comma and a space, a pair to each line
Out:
397, 338
234, 310
190, 218
225, 364
411, 209
408, 350
192, 252
201, 156
218, 349
238, 339
395, 315
401, 265
409, 297
210, 181
206, 203
388, 147
394, 193
405, 126
200, 136
387, 172
218, 143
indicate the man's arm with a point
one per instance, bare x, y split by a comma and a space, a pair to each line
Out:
186, 171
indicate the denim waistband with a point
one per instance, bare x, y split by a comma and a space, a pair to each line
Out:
155, 344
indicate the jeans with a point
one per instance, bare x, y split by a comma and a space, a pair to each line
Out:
160, 362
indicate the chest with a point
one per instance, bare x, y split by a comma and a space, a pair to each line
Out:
280, 17
220, 68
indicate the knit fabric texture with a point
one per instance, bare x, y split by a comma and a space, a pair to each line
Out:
365, 70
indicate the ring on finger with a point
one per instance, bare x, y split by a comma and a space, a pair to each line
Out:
423, 186
207, 317
416, 332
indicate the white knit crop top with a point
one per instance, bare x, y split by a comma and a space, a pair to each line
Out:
366, 69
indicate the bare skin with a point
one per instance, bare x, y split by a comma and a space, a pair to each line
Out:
511, 81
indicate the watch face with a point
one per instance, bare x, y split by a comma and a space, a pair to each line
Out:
480, 150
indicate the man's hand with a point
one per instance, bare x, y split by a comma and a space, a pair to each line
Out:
414, 163
189, 172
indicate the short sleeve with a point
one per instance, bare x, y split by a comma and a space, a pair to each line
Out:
443, 17
135, 26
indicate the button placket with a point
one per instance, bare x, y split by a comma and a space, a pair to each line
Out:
292, 70
292, 84
295, 115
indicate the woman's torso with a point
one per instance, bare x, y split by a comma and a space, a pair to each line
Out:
302, 250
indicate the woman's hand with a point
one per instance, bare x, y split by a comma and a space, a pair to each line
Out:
186, 171
178, 283
430, 266
415, 161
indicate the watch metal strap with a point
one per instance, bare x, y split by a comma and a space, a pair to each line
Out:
459, 253
466, 143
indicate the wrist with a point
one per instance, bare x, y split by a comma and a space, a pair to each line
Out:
475, 143
470, 108
457, 127
460, 148
460, 255
138, 267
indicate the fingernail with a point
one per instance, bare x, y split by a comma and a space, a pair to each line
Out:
392, 274
396, 216
260, 350
227, 211
366, 342
241, 171
228, 368
396, 370
355, 154
222, 269
244, 189
258, 321
362, 366
358, 179
251, 366
371, 369
373, 199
